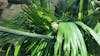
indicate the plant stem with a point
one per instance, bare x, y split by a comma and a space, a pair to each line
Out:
4, 29
80, 13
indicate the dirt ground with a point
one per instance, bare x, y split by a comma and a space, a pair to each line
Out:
9, 11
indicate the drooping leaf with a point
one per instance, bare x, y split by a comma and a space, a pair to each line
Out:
74, 43
92, 32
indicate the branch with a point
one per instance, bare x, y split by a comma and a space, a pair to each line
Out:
4, 29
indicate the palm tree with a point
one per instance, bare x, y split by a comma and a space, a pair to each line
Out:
67, 28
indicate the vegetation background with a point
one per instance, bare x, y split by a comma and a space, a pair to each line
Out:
52, 28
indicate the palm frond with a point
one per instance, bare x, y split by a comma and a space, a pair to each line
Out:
18, 47
93, 33
69, 40
40, 39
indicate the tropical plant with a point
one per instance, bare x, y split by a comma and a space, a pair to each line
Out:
66, 27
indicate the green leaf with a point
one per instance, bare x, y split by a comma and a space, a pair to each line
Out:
8, 50
58, 43
74, 44
38, 49
18, 46
92, 32
31, 46
97, 28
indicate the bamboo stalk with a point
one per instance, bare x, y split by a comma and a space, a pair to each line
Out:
17, 32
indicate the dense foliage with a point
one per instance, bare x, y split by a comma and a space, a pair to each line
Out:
73, 23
